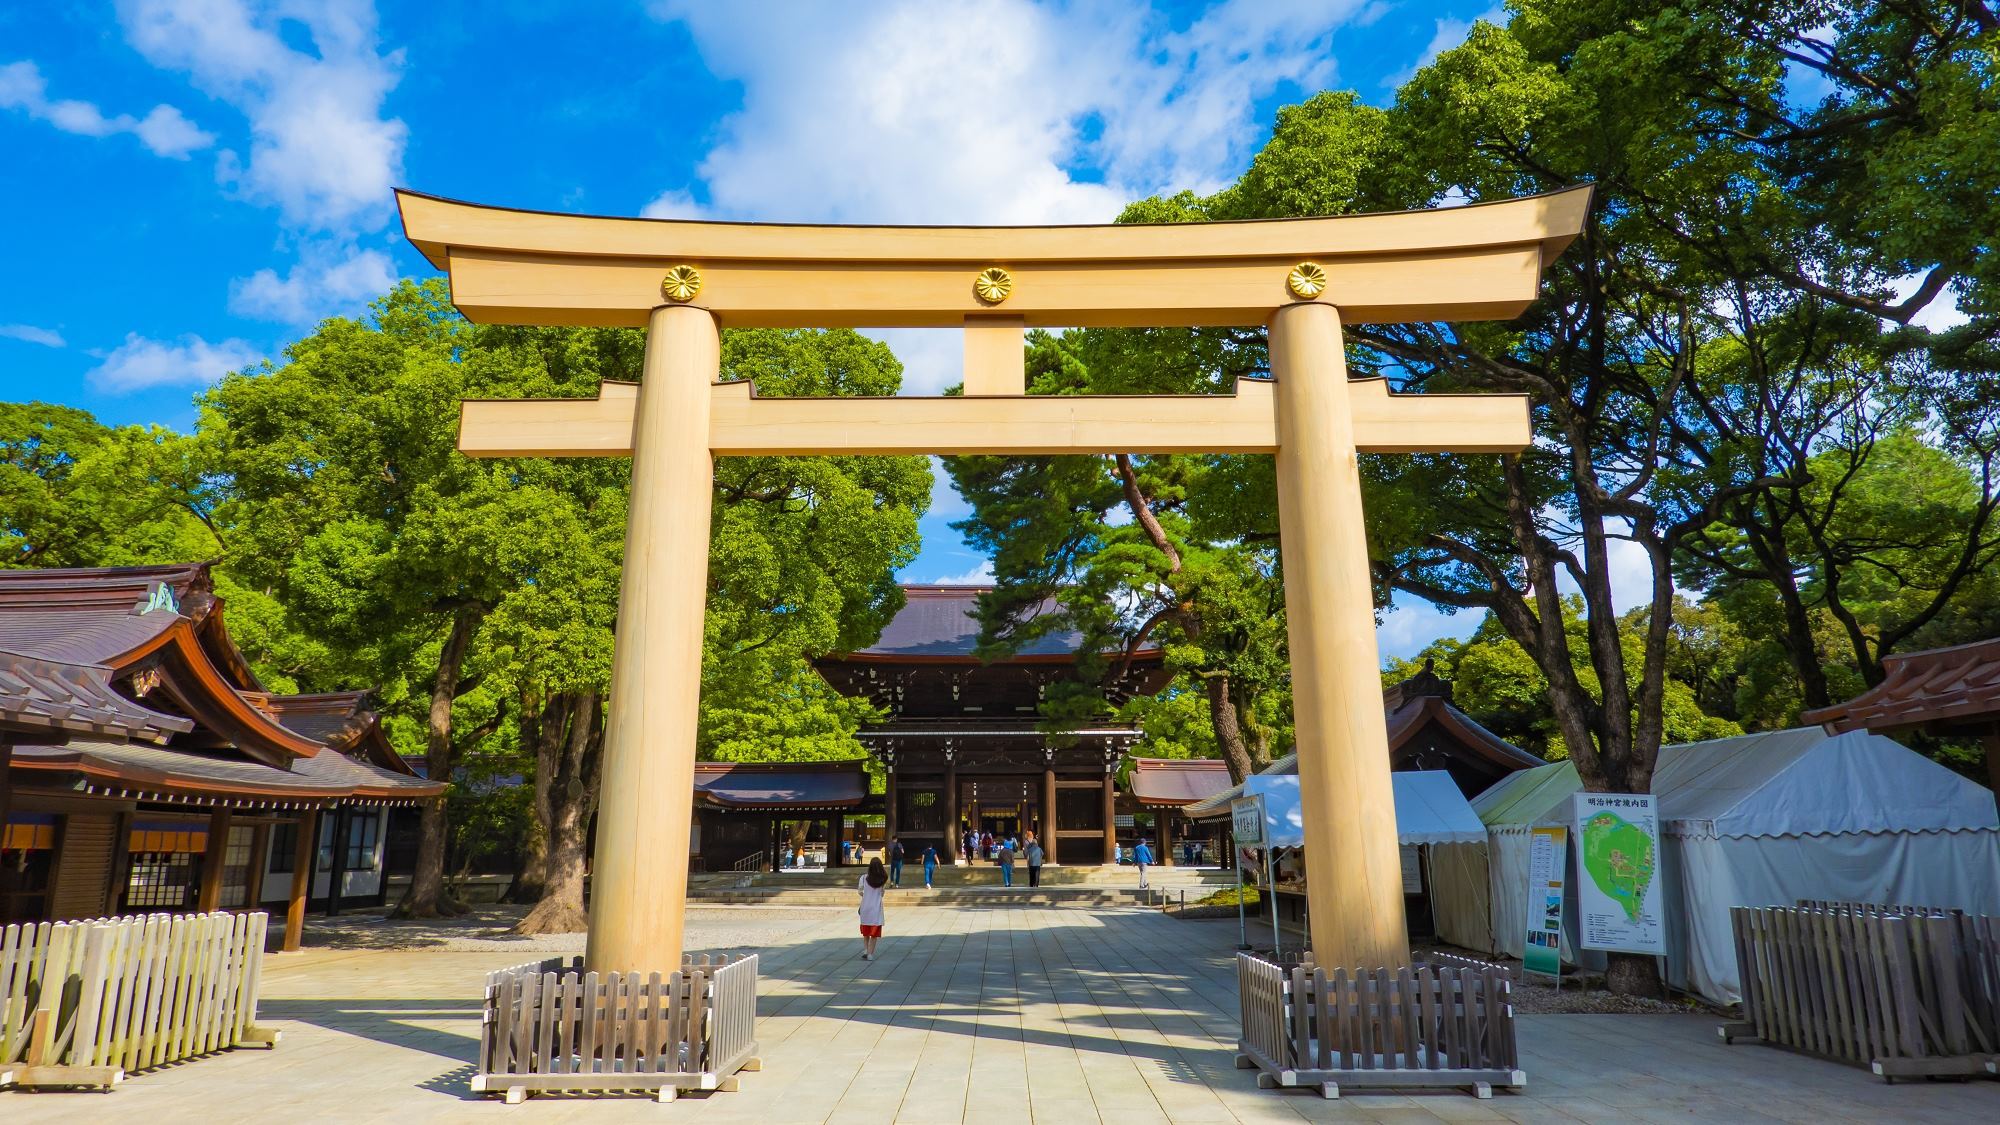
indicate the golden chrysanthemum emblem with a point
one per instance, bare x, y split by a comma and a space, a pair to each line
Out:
993, 285
681, 283
1306, 280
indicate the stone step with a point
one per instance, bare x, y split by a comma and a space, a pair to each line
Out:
939, 896
988, 875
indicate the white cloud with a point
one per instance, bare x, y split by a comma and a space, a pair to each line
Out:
1449, 33
991, 112
163, 130
946, 503
326, 280
1410, 623
1941, 313
47, 337
672, 205
140, 364
933, 358
320, 148
981, 575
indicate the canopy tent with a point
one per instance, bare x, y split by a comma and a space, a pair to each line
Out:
1429, 809
1757, 820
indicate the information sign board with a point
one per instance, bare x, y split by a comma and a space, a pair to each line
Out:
1547, 852
1246, 817
1618, 866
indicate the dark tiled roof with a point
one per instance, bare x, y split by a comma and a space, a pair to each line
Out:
93, 615
344, 720
1942, 690
49, 697
944, 621
781, 785
163, 773
88, 616
1177, 781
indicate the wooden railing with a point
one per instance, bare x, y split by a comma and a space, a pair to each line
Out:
554, 1028
1433, 1025
1904, 991
84, 1003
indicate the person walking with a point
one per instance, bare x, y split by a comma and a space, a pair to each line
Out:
873, 883
896, 862
930, 865
1143, 856
1007, 863
1034, 855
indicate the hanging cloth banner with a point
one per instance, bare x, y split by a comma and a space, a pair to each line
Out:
1618, 868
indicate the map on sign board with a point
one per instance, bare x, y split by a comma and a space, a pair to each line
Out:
1618, 852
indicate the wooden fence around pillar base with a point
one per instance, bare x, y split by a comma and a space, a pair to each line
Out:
1904, 991
550, 1028
84, 1003
1432, 1025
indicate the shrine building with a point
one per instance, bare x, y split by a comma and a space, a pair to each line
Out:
144, 768
962, 744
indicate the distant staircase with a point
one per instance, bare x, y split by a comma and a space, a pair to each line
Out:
1083, 886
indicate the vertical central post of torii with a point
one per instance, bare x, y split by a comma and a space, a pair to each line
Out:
1354, 885
639, 878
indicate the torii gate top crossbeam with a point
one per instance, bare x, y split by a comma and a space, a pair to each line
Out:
1479, 262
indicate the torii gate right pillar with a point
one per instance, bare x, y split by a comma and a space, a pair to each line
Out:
1354, 885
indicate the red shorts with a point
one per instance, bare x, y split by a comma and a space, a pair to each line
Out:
871, 931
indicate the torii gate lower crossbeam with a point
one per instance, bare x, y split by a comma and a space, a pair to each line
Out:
1466, 263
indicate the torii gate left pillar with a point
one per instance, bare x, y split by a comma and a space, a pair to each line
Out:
1469, 263
645, 803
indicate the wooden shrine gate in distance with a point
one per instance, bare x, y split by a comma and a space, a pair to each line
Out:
1301, 278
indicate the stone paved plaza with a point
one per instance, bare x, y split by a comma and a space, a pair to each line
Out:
985, 1015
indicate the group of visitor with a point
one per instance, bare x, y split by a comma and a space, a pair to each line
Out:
975, 844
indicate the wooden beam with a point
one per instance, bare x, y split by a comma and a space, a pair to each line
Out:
305, 855
209, 897
1049, 815
1449, 284
253, 888
995, 356
1110, 817
742, 424
434, 225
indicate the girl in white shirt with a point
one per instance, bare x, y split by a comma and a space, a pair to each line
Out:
873, 884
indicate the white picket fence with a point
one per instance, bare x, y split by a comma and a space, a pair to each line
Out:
84, 1003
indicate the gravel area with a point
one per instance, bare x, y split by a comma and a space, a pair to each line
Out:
1539, 996
709, 929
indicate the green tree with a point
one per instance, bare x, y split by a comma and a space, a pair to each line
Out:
352, 504
1137, 551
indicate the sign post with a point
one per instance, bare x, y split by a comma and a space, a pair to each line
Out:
1618, 864
1246, 818
1547, 848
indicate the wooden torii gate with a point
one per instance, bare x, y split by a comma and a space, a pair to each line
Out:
682, 281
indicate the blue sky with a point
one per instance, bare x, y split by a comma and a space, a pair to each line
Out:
193, 183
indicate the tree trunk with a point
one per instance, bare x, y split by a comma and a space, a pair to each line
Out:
427, 897
1767, 543
560, 910
569, 755
533, 876
1228, 730
1634, 974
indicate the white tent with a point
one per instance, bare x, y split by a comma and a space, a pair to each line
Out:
1429, 809
1761, 820
1431, 814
